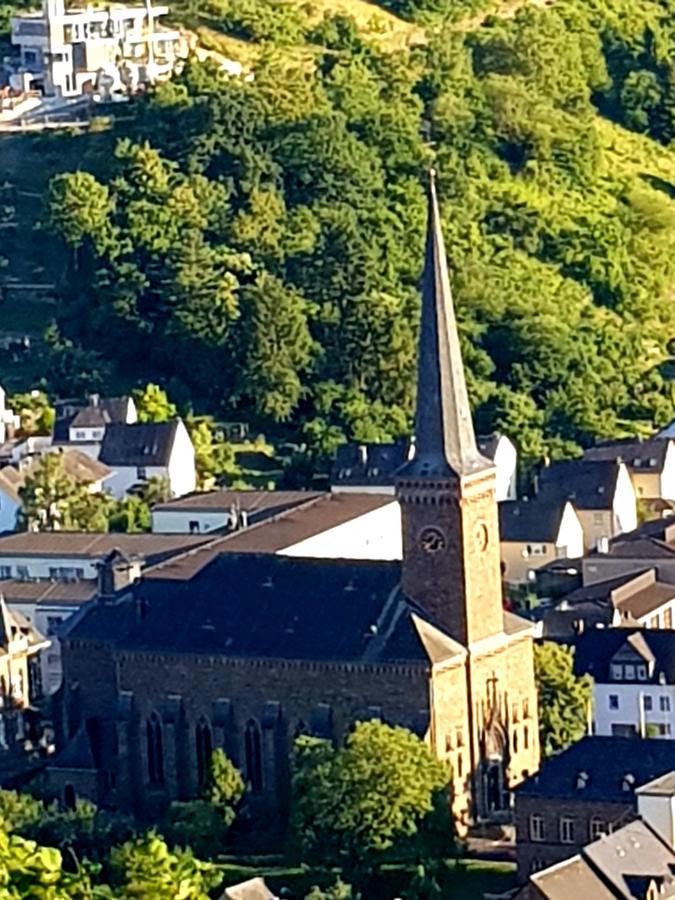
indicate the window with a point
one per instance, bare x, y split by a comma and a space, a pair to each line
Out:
460, 765
526, 737
253, 754
664, 729
204, 748
642, 673
566, 830
617, 672
613, 701
22, 572
536, 827
141, 473
459, 737
630, 672
80, 435
448, 743
5, 571
515, 740
668, 618
597, 827
647, 703
194, 526
664, 704
526, 709
153, 731
53, 623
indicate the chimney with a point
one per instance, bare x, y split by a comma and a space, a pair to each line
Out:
363, 454
115, 573
656, 806
602, 545
94, 399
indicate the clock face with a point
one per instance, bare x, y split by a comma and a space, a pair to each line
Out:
482, 536
432, 540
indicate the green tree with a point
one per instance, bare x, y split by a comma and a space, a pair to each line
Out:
53, 501
130, 515
153, 404
34, 410
213, 458
338, 891
79, 209
564, 698
379, 791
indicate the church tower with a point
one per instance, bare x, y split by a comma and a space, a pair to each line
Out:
451, 557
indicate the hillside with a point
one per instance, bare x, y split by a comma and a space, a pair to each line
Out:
259, 254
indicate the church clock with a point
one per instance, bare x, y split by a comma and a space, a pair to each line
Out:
432, 540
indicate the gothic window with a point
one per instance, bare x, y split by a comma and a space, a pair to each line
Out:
253, 752
153, 731
204, 749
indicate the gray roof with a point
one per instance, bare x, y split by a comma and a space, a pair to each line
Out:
142, 444
445, 443
258, 504
152, 547
99, 412
522, 521
588, 484
596, 648
640, 456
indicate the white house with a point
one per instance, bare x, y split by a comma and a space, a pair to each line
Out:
10, 502
651, 464
534, 532
69, 53
201, 513
371, 468
633, 675
601, 492
137, 453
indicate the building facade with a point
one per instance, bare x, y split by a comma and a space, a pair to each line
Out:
258, 648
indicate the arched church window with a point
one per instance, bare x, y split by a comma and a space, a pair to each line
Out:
153, 733
253, 753
515, 740
204, 749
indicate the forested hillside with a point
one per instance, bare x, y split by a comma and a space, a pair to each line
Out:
259, 242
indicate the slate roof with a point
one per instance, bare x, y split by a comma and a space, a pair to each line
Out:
652, 540
47, 592
606, 761
152, 547
103, 412
589, 485
536, 520
595, 648
639, 456
272, 535
142, 444
258, 504
275, 607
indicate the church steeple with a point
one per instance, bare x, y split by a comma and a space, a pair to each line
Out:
451, 558
445, 443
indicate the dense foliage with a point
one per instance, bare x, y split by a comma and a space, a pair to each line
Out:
259, 242
564, 698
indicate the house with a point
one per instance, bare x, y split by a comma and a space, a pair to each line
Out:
72, 555
629, 600
534, 532
601, 492
372, 467
586, 791
78, 424
635, 862
257, 647
650, 463
20, 683
45, 605
68, 53
633, 675
80, 467
137, 453
9, 422
200, 513
652, 545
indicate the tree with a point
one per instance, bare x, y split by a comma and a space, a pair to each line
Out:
146, 869
34, 410
377, 792
338, 891
79, 209
564, 698
53, 501
130, 515
225, 786
213, 458
153, 405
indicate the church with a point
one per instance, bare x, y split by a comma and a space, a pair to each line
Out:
254, 649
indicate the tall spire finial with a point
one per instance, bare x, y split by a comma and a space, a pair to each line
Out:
445, 443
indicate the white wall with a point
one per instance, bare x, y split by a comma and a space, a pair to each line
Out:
658, 811
166, 521
506, 461
625, 505
78, 435
570, 540
39, 566
8, 512
668, 474
374, 535
182, 474
628, 712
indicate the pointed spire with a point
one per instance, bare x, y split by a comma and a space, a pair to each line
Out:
445, 443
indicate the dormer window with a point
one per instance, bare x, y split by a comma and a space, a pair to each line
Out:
630, 672
617, 671
642, 673
582, 780
628, 782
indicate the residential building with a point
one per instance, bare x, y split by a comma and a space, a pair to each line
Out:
633, 675
628, 600
373, 467
255, 648
201, 513
534, 532
636, 862
652, 545
9, 422
20, 684
10, 501
78, 424
46, 605
601, 492
586, 791
137, 453
68, 53
650, 463
76, 556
